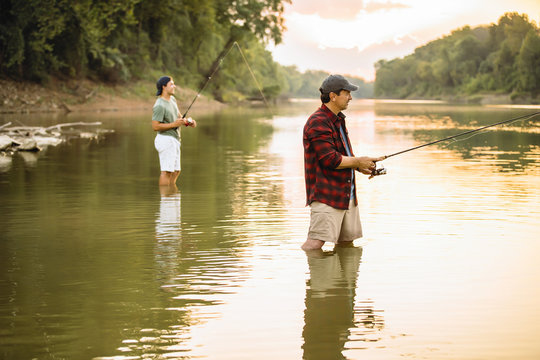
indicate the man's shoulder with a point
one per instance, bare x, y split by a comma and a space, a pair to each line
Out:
319, 116
162, 102
159, 102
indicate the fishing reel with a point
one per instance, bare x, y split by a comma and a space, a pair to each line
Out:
379, 171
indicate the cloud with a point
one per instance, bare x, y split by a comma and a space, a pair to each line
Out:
349, 36
381, 6
361, 32
343, 9
328, 9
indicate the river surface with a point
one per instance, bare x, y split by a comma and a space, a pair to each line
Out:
97, 263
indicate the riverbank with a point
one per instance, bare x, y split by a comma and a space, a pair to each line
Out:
88, 96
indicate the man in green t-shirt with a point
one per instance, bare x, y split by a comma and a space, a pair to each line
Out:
166, 121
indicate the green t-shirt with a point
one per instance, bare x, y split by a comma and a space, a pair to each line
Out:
166, 112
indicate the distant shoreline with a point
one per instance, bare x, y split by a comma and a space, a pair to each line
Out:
87, 96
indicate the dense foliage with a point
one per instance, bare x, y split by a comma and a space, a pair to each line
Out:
115, 41
119, 41
500, 58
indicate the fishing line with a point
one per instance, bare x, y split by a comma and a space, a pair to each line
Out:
453, 141
480, 133
382, 171
523, 117
252, 74
217, 68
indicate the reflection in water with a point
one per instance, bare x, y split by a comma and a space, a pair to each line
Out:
193, 273
30, 158
149, 341
5, 163
330, 313
168, 232
93, 263
510, 147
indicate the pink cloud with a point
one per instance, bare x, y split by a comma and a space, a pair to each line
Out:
327, 9
376, 6
344, 10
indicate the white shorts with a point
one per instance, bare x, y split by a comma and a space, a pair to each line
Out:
169, 152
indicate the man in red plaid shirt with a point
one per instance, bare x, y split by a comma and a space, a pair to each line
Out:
329, 165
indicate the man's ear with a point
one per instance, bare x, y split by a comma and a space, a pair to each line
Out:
335, 94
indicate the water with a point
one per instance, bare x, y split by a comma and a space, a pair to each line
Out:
96, 263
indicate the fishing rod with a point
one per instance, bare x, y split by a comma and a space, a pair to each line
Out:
208, 79
217, 68
382, 171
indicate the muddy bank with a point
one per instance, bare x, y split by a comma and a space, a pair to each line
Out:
88, 96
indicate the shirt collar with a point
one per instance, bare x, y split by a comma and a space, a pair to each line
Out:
335, 118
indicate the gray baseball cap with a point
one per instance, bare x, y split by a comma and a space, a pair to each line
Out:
335, 83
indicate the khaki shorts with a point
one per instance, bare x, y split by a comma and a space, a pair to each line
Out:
334, 225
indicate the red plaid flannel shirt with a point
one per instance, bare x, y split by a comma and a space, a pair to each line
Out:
323, 151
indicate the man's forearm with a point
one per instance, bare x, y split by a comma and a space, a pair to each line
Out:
347, 162
354, 162
158, 126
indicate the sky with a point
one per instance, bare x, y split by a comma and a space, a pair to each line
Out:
350, 36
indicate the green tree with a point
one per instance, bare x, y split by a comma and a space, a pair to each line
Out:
528, 63
502, 58
26, 34
511, 29
263, 19
466, 56
117, 40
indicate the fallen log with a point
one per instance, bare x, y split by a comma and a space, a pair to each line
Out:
35, 138
58, 126
46, 129
6, 142
5, 125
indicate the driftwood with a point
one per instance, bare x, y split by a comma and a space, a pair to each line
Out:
45, 129
35, 138
5, 125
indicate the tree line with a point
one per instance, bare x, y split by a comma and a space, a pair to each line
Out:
118, 41
306, 84
502, 58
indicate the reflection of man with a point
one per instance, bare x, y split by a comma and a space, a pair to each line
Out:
329, 168
330, 296
168, 232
